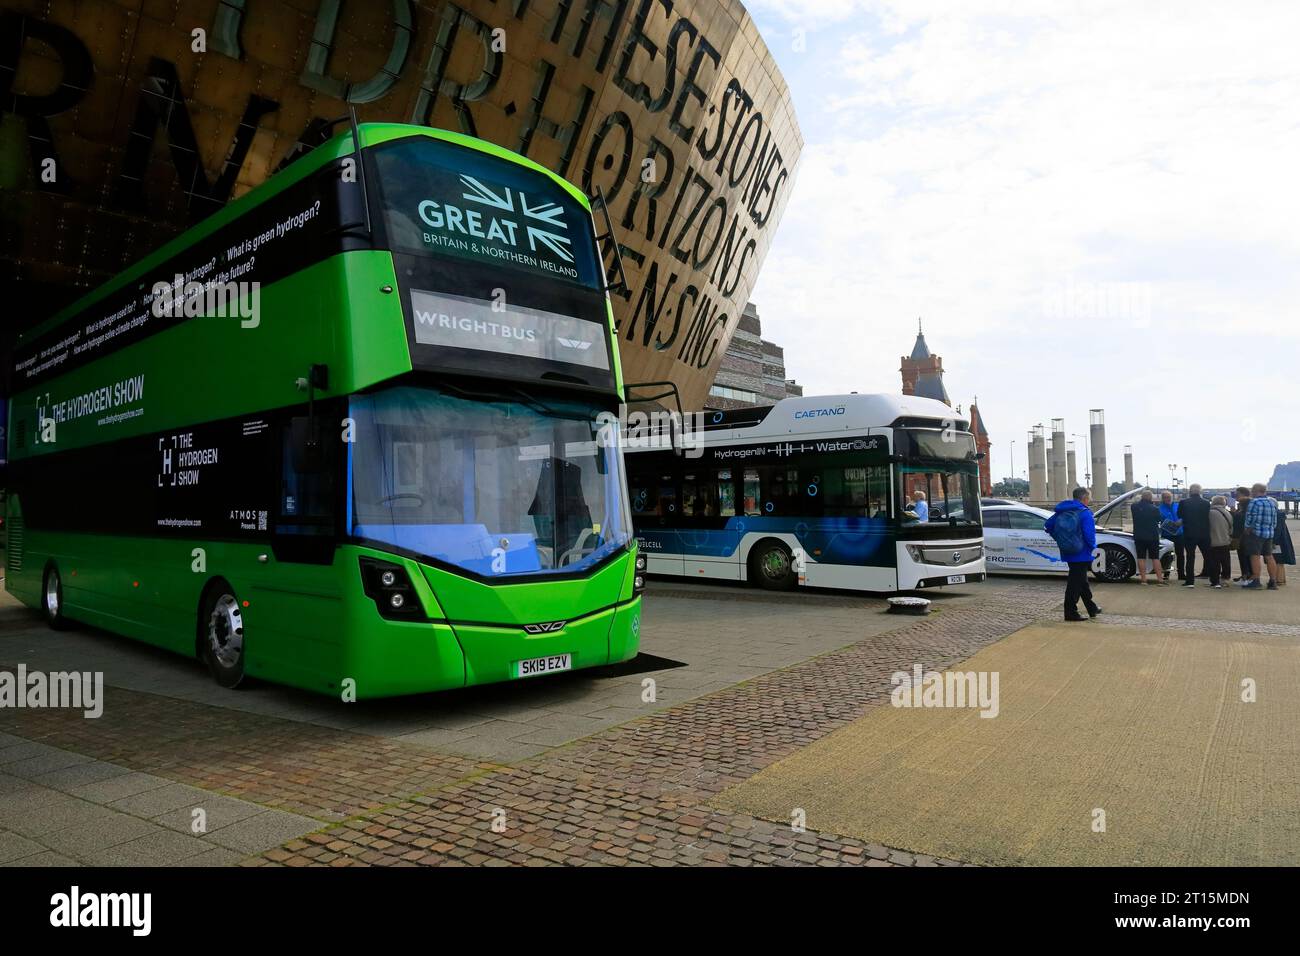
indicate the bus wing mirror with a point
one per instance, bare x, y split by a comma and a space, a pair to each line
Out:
666, 390
620, 284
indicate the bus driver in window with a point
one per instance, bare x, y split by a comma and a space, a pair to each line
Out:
920, 509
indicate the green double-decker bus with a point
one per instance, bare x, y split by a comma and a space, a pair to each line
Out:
356, 432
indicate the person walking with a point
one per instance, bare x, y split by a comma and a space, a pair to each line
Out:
1261, 526
1195, 514
1239, 531
1220, 563
1283, 549
1172, 527
1075, 532
1146, 537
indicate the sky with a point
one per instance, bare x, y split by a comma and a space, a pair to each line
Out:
1089, 205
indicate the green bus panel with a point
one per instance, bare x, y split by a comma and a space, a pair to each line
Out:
313, 627
211, 368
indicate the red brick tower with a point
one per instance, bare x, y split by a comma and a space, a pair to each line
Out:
923, 372
982, 445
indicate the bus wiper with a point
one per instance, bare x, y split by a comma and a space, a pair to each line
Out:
535, 404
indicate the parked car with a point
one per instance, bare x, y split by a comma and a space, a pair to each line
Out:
1015, 542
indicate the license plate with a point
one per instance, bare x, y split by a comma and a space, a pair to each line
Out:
544, 665
956, 579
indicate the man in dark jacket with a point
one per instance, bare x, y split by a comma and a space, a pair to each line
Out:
1079, 555
1195, 512
1146, 537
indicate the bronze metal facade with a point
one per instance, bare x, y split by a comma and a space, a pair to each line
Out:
121, 125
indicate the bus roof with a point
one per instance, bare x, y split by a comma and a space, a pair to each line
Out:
820, 413
372, 134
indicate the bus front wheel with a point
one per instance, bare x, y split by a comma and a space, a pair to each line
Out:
772, 566
52, 599
221, 635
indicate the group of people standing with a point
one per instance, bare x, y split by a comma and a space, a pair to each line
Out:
1254, 529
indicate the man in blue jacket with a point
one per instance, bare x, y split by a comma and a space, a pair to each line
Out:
1172, 528
1076, 534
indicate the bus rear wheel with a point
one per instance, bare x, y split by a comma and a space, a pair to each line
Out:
772, 566
221, 635
52, 599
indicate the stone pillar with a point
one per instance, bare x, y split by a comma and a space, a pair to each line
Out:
1129, 483
1056, 474
1097, 435
1072, 476
1037, 466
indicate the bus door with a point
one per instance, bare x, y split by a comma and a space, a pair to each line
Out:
709, 532
656, 510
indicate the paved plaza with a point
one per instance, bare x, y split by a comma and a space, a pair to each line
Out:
716, 746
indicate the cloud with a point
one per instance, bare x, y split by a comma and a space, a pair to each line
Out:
1109, 178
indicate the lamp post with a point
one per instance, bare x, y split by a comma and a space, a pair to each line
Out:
1172, 468
1087, 460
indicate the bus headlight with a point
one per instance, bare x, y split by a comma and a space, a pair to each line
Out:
638, 576
916, 553
390, 588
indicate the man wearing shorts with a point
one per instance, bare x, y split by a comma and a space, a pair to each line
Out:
1146, 537
1257, 542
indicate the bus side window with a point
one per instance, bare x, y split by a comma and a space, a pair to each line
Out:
809, 494
845, 492
691, 504
779, 488
667, 496
878, 491
306, 504
726, 494
640, 491
750, 491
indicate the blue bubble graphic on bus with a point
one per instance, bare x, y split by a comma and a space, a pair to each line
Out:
830, 540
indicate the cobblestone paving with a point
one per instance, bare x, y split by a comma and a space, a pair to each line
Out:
316, 771
639, 793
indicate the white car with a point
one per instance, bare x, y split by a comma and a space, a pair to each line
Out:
1015, 542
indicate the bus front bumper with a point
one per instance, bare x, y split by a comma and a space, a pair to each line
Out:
943, 580
943, 563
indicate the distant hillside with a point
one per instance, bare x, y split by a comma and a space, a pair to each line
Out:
1285, 477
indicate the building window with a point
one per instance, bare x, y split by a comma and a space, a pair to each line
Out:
735, 394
